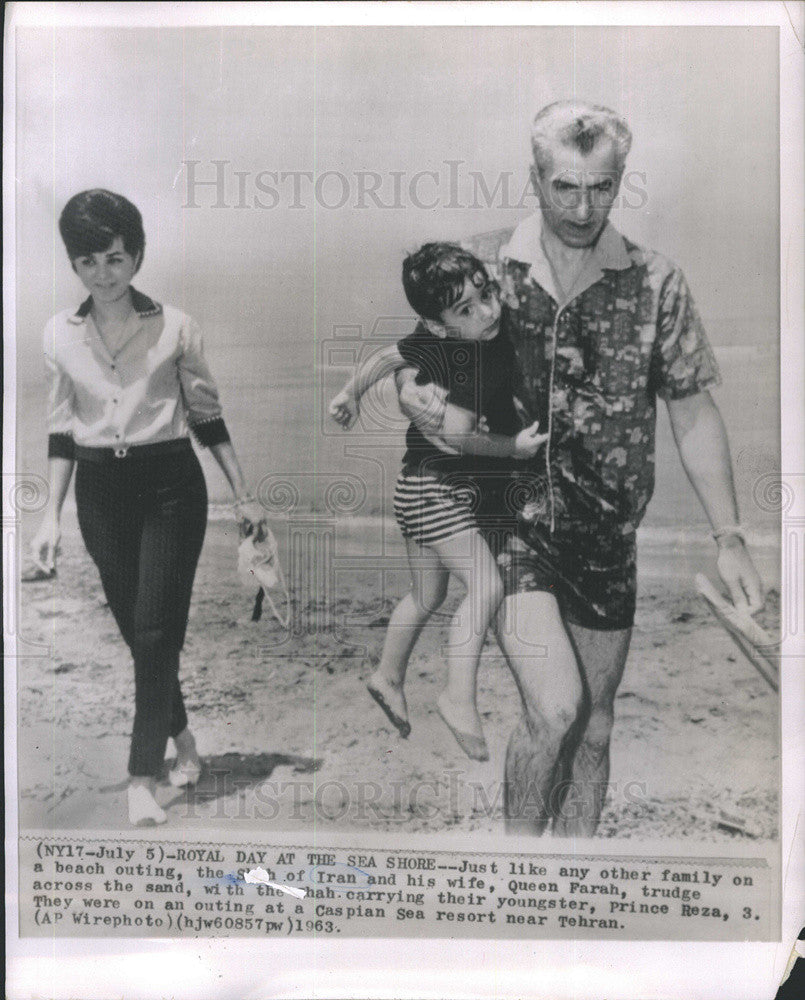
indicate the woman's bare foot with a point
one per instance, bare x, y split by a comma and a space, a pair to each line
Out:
464, 723
144, 810
391, 699
187, 770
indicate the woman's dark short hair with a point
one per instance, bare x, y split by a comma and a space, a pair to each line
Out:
434, 277
92, 219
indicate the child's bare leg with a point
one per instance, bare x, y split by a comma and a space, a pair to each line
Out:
468, 557
428, 590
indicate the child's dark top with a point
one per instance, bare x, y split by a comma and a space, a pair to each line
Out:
480, 376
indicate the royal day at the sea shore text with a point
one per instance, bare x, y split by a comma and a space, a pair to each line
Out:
90, 887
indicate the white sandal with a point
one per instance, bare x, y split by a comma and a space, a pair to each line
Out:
144, 810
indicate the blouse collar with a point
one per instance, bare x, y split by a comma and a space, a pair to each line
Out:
143, 306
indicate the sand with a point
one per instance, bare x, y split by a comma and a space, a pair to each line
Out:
291, 740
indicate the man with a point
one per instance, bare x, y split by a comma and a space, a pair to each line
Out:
601, 327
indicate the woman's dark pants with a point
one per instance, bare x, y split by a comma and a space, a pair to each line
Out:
143, 520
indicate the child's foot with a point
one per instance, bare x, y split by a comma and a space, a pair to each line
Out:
465, 724
392, 700
187, 770
144, 810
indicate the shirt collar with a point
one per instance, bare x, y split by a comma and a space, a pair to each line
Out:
525, 245
143, 306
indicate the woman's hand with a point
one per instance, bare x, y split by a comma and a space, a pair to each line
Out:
249, 515
44, 547
529, 441
344, 409
248, 512
45, 544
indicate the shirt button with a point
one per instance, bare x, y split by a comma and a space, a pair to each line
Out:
113, 367
117, 437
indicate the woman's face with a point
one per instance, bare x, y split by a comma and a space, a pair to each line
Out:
107, 275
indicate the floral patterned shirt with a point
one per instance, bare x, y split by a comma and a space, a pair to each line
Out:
593, 366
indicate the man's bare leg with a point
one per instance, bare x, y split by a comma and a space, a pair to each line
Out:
540, 655
601, 657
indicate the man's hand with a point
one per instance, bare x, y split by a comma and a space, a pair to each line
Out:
529, 441
702, 441
736, 569
424, 405
344, 409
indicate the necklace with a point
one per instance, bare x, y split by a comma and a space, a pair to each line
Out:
113, 331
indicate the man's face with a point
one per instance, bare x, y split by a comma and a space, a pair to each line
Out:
576, 192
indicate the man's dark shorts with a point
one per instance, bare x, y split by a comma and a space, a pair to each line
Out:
591, 572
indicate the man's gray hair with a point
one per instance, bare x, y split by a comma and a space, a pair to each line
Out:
576, 123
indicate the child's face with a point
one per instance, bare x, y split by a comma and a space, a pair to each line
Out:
476, 315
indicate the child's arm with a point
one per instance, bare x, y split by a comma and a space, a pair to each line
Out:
344, 407
460, 431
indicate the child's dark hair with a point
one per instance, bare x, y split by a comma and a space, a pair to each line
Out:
92, 219
434, 277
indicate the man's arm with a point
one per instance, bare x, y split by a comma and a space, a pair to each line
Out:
456, 430
424, 405
460, 431
702, 442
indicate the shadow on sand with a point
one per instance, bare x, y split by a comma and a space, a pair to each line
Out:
229, 773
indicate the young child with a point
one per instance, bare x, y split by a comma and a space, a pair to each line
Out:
458, 344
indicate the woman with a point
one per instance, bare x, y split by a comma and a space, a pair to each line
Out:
127, 383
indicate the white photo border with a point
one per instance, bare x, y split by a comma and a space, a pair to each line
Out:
440, 967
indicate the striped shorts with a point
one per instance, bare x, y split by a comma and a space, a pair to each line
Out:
430, 510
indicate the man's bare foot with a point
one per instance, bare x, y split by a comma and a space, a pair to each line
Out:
392, 700
464, 723
187, 770
144, 810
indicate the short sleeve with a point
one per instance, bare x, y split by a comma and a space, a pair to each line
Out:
423, 351
199, 391
60, 401
408, 350
683, 362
